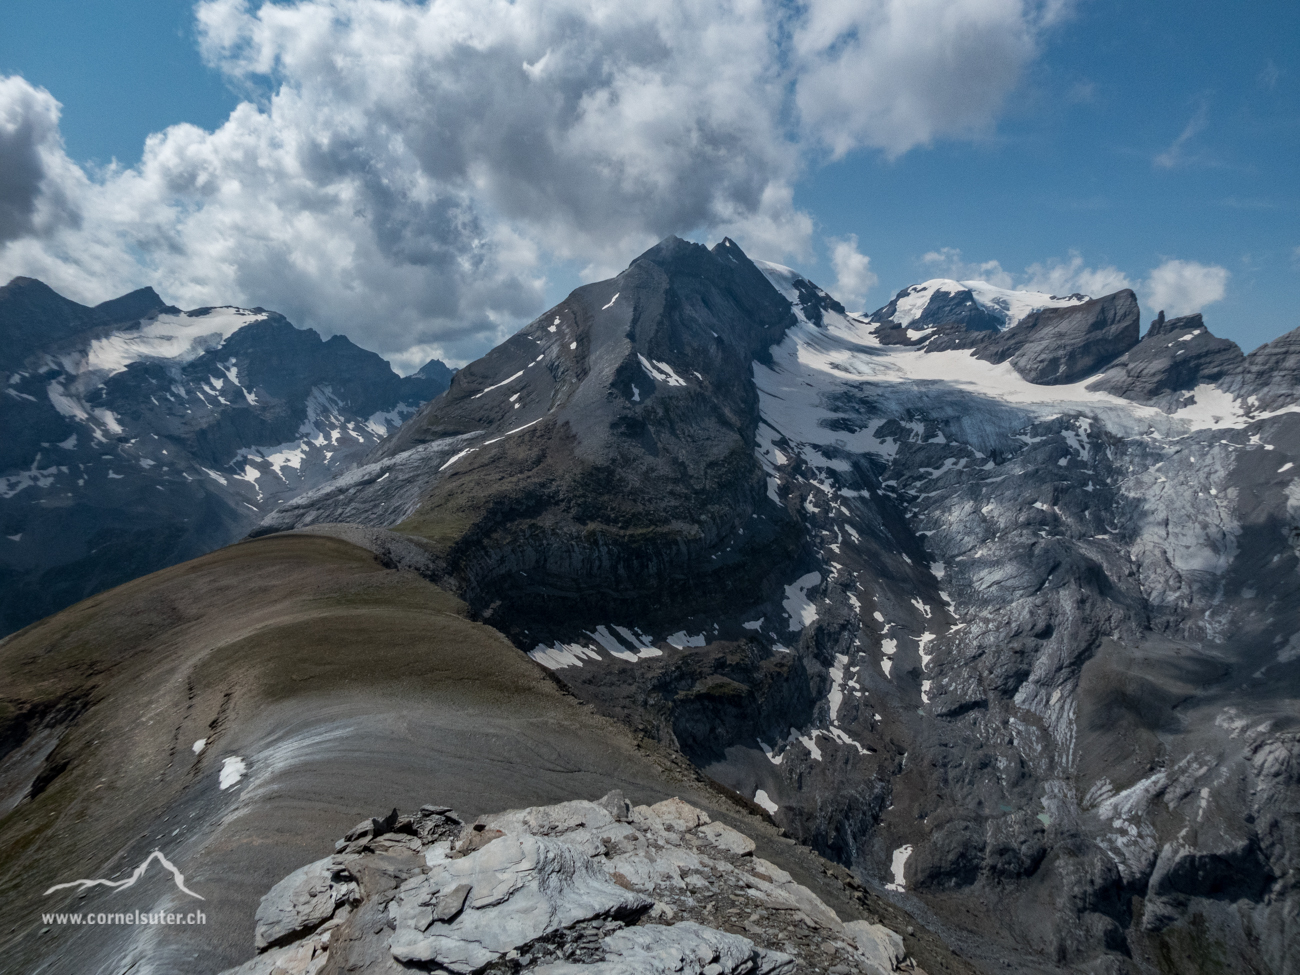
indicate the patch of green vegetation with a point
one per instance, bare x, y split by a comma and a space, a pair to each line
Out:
439, 525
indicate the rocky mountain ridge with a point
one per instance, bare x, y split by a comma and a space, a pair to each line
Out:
992, 601
235, 714
138, 435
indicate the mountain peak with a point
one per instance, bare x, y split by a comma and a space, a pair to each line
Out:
1065, 344
138, 304
626, 413
1163, 326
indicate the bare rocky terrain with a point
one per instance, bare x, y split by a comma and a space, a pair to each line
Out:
987, 596
977, 614
578, 888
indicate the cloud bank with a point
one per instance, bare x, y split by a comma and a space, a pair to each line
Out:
853, 274
1185, 287
1177, 287
408, 173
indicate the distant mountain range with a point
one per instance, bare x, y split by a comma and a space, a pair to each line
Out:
987, 594
990, 597
137, 435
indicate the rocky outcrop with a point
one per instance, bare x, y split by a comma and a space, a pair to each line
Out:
1056, 346
1270, 376
578, 888
600, 461
944, 305
1175, 356
34, 317
1070, 339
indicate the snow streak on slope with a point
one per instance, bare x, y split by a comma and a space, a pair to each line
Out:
175, 338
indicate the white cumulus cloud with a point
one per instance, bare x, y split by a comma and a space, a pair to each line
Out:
1053, 276
853, 274
1179, 287
948, 262
894, 74
34, 172
1185, 287
408, 173
1056, 277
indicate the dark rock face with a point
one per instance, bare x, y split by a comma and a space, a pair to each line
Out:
138, 436
1057, 346
1271, 374
34, 317
602, 456
1175, 356
1023, 652
952, 305
1049, 346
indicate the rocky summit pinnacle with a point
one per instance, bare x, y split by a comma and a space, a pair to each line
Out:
578, 888
592, 463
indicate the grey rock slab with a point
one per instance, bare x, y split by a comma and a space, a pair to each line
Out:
1175, 356
725, 838
1270, 374
302, 901
303, 958
1064, 345
522, 888
880, 946
562, 885
687, 948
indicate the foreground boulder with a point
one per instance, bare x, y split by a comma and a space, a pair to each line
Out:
578, 888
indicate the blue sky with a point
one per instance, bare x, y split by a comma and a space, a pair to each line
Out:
1119, 137
1073, 162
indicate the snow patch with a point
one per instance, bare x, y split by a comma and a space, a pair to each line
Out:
504, 382
562, 655
232, 770
897, 867
681, 641
660, 371
175, 338
800, 609
510, 433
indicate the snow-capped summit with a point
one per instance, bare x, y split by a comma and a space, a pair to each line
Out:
976, 304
